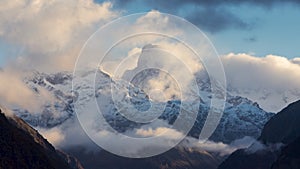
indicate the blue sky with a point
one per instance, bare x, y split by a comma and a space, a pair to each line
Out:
258, 28
8, 51
277, 31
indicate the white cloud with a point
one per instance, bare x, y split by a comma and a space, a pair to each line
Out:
158, 129
6, 111
11, 93
269, 71
177, 63
51, 32
273, 81
70, 134
160, 22
53, 135
15, 93
296, 60
218, 147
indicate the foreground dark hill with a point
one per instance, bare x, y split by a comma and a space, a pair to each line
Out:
289, 157
22, 147
280, 147
176, 158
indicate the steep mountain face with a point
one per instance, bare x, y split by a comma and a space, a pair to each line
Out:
284, 126
247, 159
176, 158
23, 147
282, 129
241, 117
243, 159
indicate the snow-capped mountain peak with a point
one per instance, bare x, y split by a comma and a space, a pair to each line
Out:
241, 116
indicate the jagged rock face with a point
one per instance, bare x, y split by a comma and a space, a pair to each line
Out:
241, 117
23, 147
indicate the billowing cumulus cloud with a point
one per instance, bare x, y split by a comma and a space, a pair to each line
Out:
51, 32
273, 81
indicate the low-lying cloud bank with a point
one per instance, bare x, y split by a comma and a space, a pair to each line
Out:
70, 134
